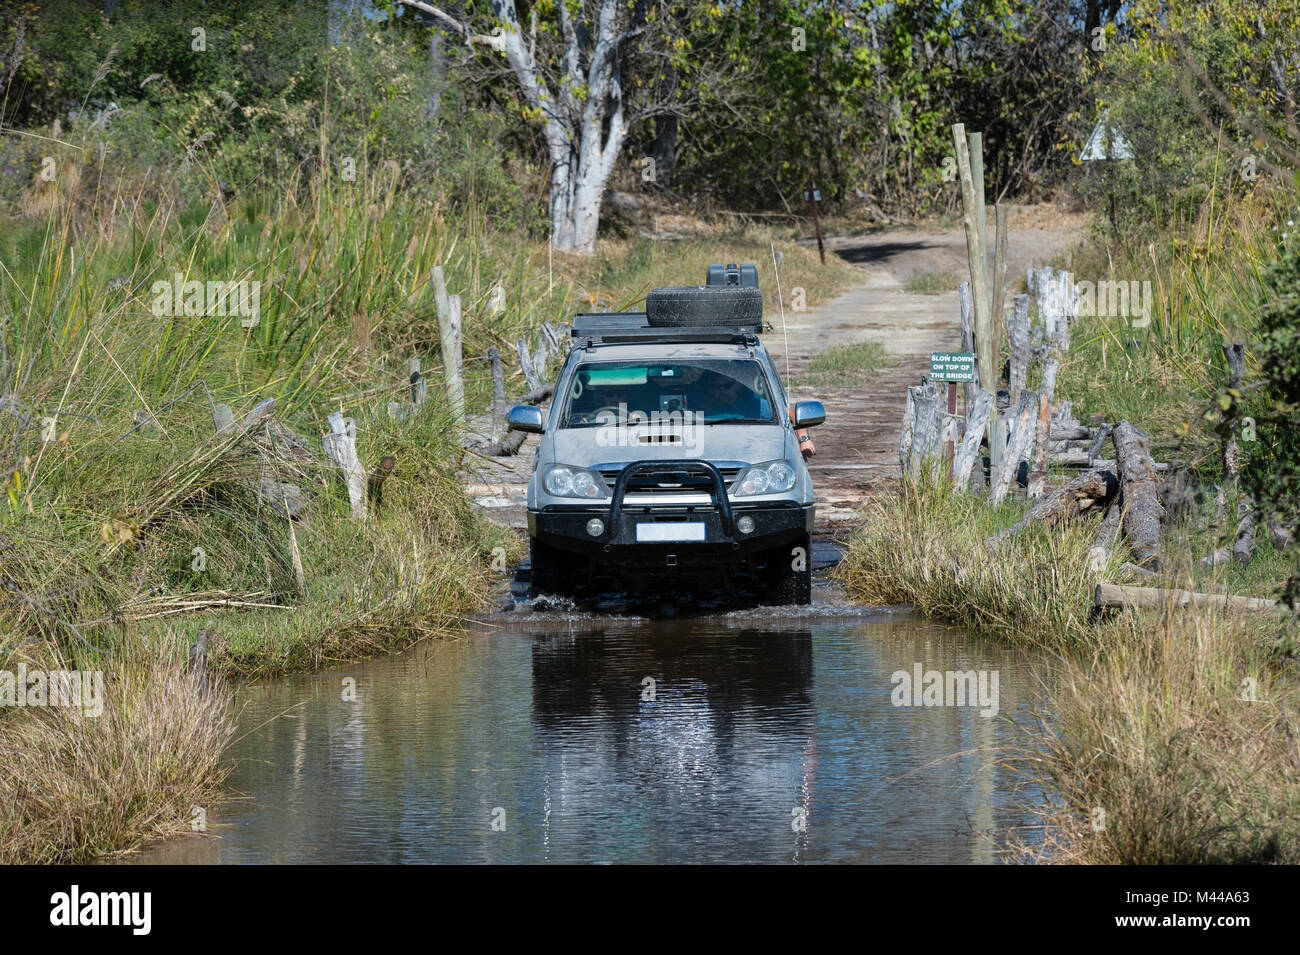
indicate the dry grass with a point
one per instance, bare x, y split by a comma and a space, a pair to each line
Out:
73, 786
1155, 757
1147, 721
926, 547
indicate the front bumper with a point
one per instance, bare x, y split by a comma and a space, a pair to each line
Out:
714, 529
565, 528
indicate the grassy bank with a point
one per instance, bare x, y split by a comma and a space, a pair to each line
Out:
1148, 723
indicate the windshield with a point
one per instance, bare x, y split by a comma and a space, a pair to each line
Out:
722, 391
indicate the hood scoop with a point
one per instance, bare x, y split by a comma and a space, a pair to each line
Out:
659, 438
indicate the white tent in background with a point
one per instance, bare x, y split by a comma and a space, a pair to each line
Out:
1106, 142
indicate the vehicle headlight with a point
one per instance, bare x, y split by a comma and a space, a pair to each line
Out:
564, 481
771, 477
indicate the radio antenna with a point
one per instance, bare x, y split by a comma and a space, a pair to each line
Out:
781, 302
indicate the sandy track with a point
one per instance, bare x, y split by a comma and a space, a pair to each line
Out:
857, 447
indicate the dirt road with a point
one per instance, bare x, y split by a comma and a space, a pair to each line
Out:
857, 447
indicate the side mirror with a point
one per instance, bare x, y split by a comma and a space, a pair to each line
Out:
525, 418
808, 414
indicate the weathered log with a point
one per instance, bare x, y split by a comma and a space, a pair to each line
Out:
526, 365
926, 427
1104, 543
1064, 416
905, 435
498, 382
1103, 432
1018, 336
507, 446
977, 419
449, 340
1019, 445
1038, 473
1045, 289
967, 340
1281, 536
538, 395
1078, 458
1142, 511
1244, 546
1074, 432
1096, 488
1214, 558
1067, 306
1117, 595
375, 483
341, 447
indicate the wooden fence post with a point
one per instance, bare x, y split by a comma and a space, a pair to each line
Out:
969, 166
977, 416
1042, 438
967, 342
1043, 291
926, 427
526, 365
341, 446
448, 308
905, 434
1018, 337
1018, 444
999, 278
498, 381
419, 387
1067, 310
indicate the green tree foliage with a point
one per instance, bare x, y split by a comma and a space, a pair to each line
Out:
1272, 473
861, 97
1204, 92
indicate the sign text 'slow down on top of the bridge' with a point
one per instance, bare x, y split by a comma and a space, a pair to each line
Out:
952, 366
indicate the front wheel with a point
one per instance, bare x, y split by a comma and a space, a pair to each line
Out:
548, 572
789, 573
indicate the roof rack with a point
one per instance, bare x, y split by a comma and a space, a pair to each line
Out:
633, 327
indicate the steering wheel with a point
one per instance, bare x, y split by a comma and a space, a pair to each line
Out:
612, 409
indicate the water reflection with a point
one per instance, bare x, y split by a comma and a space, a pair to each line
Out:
670, 741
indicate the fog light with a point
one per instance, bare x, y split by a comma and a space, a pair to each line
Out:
745, 525
595, 527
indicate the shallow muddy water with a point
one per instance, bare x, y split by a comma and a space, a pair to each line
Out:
754, 736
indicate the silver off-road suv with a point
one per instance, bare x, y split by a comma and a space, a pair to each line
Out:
669, 451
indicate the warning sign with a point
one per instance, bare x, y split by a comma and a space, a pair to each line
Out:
952, 366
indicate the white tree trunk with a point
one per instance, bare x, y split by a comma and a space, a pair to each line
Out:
584, 136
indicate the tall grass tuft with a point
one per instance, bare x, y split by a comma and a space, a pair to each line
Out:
1173, 742
74, 786
928, 546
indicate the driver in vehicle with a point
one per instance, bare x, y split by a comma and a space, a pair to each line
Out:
724, 392
725, 397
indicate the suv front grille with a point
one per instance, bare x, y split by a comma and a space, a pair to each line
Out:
693, 484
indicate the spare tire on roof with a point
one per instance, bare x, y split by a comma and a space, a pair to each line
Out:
678, 306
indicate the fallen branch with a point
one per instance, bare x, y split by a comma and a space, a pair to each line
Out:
1142, 511
1088, 490
1102, 545
1116, 595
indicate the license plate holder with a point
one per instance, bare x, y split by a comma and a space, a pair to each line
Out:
674, 532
